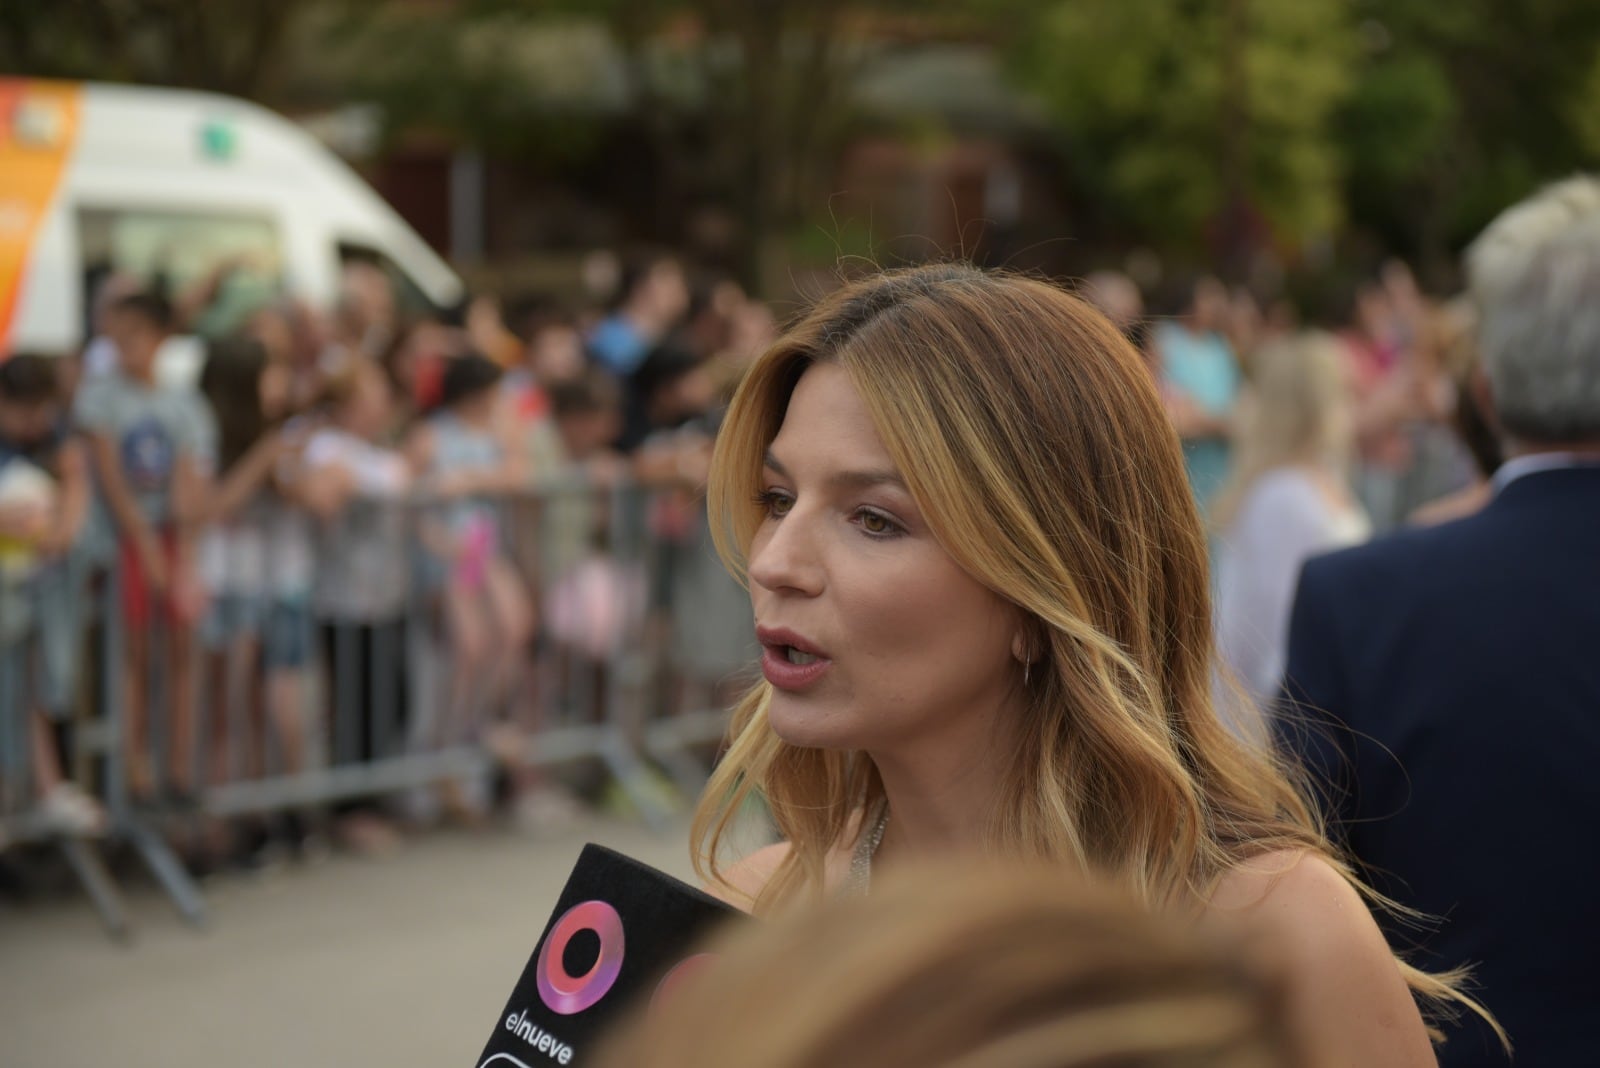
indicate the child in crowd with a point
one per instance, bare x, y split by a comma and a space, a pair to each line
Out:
552, 339
356, 485
523, 413
590, 602
709, 643
255, 557
464, 463
152, 448
44, 497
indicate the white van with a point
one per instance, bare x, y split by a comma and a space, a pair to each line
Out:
164, 184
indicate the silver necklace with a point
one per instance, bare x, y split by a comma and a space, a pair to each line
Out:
859, 881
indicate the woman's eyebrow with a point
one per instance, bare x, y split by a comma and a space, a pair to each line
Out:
847, 479
866, 479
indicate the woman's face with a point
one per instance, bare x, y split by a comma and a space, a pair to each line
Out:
873, 637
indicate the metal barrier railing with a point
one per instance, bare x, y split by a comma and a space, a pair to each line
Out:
429, 653
44, 610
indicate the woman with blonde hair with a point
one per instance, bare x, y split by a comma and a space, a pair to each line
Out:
947, 966
1288, 499
981, 586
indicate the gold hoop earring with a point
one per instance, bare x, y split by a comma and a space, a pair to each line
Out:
1027, 669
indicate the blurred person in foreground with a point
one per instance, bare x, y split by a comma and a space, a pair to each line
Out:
980, 581
1449, 674
971, 967
1288, 498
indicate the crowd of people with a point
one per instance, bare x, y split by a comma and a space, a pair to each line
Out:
1304, 434
265, 510
324, 488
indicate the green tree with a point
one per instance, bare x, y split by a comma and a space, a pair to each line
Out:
739, 101
1462, 108
1187, 118
229, 46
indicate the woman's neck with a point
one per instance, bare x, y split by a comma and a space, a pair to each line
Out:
943, 802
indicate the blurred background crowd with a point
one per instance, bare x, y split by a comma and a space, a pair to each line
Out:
328, 483
369, 471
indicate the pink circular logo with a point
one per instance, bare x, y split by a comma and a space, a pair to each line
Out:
567, 994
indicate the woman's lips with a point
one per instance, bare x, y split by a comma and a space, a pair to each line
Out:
777, 644
781, 673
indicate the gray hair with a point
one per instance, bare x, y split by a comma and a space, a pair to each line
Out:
1534, 276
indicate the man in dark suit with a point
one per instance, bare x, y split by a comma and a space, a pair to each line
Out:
1444, 683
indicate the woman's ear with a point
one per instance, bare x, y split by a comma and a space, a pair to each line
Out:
1025, 640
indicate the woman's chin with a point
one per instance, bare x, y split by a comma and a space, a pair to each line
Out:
806, 729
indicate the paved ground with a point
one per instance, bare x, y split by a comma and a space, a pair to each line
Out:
401, 962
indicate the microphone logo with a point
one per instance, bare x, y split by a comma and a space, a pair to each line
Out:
568, 994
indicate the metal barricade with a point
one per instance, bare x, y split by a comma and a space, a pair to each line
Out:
591, 672
43, 612
374, 690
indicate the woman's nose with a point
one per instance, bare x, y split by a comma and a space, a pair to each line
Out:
783, 557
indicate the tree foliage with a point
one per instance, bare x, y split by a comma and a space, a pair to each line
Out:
740, 103
1184, 123
1462, 108
1175, 110
229, 46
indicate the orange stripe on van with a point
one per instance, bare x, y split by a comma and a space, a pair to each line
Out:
38, 127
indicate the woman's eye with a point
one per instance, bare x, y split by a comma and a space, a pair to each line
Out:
775, 504
878, 525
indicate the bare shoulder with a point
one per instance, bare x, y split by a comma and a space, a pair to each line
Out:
1284, 879
1304, 904
747, 877
1346, 989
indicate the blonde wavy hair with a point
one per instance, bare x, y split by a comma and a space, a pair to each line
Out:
1036, 446
956, 966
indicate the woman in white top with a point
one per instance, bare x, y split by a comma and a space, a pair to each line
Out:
1288, 500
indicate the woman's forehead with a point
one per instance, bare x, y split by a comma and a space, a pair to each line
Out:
827, 418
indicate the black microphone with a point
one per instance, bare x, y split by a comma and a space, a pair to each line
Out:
622, 934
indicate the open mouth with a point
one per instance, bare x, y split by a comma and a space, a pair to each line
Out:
795, 656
